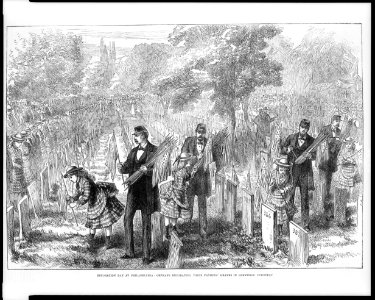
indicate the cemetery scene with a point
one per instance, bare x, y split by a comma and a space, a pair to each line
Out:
184, 147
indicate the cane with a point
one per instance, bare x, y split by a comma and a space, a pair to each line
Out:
75, 218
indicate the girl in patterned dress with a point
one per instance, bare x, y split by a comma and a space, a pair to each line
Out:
173, 200
281, 188
103, 210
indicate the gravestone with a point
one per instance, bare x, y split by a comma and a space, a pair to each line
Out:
44, 183
248, 212
174, 260
341, 197
157, 225
219, 191
269, 227
298, 245
230, 201
34, 195
10, 228
24, 217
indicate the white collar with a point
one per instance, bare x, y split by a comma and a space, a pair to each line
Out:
143, 145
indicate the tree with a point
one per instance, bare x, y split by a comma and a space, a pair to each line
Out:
233, 58
43, 67
145, 62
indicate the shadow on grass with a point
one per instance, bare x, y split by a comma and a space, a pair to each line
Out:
38, 236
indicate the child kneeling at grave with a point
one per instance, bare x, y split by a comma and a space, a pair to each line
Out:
281, 188
173, 198
103, 210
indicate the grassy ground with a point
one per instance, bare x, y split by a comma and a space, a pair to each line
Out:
58, 243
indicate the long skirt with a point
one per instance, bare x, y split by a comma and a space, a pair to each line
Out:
112, 212
171, 209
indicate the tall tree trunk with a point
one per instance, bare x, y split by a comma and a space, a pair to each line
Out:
246, 113
232, 133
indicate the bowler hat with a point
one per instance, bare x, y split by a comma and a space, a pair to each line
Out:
72, 170
282, 161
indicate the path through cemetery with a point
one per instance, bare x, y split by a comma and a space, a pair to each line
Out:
57, 241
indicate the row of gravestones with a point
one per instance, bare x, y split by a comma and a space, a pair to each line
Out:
226, 199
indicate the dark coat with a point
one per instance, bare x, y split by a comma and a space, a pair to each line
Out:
201, 183
141, 193
334, 146
304, 170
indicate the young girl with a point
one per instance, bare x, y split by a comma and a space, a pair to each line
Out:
173, 200
103, 210
281, 188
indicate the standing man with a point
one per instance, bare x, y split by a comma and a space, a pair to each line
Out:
302, 174
200, 185
141, 195
328, 165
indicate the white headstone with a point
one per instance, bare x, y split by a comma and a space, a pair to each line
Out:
24, 217
44, 184
298, 245
269, 227
248, 212
230, 201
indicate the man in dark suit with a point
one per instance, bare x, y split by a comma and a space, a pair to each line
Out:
141, 194
302, 174
200, 185
328, 166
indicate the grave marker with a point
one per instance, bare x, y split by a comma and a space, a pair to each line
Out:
10, 228
24, 217
44, 181
298, 245
34, 195
230, 201
174, 260
248, 212
269, 227
157, 225
219, 191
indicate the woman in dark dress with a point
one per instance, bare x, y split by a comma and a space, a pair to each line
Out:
103, 210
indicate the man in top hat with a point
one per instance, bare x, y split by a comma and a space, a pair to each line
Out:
200, 185
328, 165
302, 174
141, 195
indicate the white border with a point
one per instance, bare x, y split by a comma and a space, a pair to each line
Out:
20, 284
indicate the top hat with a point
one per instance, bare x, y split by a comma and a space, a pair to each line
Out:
72, 170
283, 162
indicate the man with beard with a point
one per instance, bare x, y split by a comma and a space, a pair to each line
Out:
141, 194
302, 174
200, 184
328, 165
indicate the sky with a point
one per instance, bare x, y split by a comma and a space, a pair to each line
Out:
129, 36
